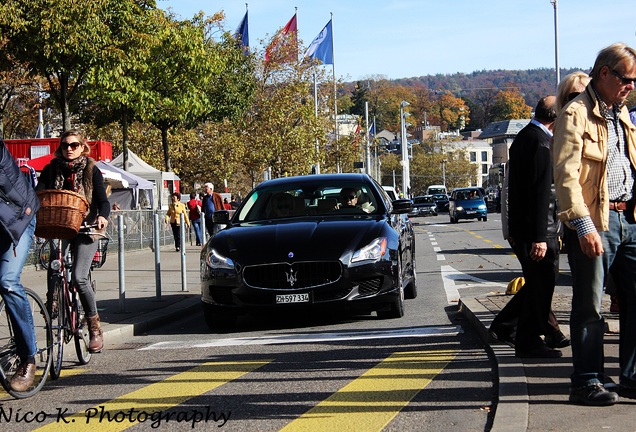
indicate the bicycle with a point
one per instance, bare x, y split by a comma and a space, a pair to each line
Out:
9, 359
68, 319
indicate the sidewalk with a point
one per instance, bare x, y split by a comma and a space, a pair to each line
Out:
140, 309
533, 393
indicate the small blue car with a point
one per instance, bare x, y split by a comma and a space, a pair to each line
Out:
467, 203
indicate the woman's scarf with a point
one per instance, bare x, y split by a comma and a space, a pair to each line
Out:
73, 171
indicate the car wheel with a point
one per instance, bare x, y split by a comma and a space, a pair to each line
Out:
485, 218
216, 318
396, 309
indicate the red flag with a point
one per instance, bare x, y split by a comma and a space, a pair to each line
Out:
284, 45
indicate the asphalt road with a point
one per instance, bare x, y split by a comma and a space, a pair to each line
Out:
425, 371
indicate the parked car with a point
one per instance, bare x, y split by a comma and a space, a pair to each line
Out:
423, 206
467, 203
292, 244
442, 202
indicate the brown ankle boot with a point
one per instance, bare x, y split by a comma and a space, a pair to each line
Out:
97, 340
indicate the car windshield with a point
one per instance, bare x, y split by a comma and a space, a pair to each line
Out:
284, 200
468, 195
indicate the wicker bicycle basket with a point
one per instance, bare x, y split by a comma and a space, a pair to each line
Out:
61, 214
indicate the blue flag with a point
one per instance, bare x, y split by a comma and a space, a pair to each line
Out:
242, 34
372, 130
321, 47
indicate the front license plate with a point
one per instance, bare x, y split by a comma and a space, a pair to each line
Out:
471, 211
292, 298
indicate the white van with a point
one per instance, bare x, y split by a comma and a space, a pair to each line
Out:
436, 190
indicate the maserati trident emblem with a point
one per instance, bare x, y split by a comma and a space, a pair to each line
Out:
291, 277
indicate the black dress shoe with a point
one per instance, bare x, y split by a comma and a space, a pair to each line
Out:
539, 352
593, 394
557, 340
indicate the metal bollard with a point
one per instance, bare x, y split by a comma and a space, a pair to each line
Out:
121, 255
155, 242
204, 232
182, 244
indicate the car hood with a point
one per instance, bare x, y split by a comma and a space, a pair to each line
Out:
323, 239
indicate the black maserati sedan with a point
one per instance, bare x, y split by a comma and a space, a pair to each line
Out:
317, 241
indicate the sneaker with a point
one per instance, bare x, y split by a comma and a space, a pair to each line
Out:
23, 378
593, 394
557, 340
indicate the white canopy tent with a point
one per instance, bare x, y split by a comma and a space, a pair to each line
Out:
133, 192
164, 182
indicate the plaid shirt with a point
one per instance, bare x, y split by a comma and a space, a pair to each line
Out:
620, 176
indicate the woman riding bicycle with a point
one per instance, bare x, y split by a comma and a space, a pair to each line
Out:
73, 170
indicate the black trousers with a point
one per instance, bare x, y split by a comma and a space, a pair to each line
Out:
530, 310
176, 232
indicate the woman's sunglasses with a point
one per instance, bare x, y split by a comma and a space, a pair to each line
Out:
72, 145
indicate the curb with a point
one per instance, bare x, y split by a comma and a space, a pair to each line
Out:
118, 333
511, 414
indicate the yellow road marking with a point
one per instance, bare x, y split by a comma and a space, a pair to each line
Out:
371, 401
154, 398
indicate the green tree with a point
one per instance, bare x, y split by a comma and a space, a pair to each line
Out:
64, 40
192, 78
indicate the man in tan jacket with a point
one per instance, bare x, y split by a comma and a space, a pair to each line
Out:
594, 171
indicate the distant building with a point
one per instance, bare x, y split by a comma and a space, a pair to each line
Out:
480, 153
500, 136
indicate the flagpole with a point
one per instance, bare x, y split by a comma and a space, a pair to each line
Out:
335, 99
368, 150
317, 164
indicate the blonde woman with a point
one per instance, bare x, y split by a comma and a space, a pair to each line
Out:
570, 87
173, 216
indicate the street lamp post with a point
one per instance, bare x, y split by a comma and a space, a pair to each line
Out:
405, 157
444, 172
556, 40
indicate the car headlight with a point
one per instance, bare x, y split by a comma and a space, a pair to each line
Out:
373, 251
482, 207
216, 261
459, 208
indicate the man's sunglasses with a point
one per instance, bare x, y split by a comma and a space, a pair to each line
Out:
349, 197
72, 145
625, 80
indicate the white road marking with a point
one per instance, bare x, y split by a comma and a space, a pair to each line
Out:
454, 280
311, 337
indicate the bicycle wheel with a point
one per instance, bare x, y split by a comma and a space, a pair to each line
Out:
81, 336
57, 328
10, 360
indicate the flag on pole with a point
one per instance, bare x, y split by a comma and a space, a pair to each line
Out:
321, 47
242, 34
372, 130
284, 46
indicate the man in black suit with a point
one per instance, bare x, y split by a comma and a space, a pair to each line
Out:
533, 234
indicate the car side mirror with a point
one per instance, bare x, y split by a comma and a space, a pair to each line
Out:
402, 206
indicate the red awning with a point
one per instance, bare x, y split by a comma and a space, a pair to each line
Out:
39, 163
